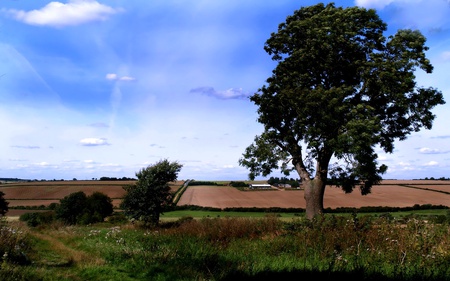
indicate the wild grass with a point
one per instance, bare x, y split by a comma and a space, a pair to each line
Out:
351, 247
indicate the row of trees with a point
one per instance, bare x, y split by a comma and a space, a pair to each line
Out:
275, 181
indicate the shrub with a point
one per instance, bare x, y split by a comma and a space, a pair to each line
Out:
77, 208
38, 218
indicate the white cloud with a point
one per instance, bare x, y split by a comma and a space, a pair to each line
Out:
114, 76
111, 76
375, 4
58, 14
94, 142
431, 163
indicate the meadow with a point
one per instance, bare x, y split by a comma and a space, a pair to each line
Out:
216, 245
352, 248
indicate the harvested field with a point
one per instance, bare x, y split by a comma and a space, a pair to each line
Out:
58, 190
382, 195
390, 193
44, 193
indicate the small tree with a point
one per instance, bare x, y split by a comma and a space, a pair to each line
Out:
79, 208
3, 204
100, 204
146, 200
71, 207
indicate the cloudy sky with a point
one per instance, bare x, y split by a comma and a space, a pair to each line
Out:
107, 87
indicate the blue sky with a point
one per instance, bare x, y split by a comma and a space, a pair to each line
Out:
107, 87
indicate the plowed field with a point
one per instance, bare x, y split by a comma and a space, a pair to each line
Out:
392, 193
389, 194
45, 193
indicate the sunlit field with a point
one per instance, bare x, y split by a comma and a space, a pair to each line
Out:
210, 244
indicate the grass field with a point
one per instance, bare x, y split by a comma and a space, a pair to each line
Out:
220, 249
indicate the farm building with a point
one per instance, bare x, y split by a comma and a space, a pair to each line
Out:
260, 186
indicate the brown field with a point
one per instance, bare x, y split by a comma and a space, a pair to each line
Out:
45, 193
390, 193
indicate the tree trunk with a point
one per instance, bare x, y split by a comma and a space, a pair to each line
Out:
314, 192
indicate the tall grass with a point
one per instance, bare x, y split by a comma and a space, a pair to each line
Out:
14, 245
351, 247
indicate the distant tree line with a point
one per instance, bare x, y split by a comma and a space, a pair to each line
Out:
194, 182
116, 179
275, 181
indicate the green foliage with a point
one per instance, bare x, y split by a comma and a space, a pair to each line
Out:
71, 207
14, 244
194, 182
79, 208
3, 204
100, 204
38, 218
148, 198
340, 89
238, 184
333, 247
283, 180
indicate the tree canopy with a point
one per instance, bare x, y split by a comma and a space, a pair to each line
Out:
340, 89
146, 200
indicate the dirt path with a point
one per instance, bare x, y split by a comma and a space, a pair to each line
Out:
59, 254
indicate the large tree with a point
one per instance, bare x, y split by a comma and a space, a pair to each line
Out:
146, 200
340, 90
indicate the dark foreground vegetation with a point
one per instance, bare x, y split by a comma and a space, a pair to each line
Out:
351, 247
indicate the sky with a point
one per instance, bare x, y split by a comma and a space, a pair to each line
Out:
104, 88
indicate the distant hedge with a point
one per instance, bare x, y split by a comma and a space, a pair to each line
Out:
379, 209
204, 183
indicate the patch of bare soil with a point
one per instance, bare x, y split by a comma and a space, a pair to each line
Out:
382, 195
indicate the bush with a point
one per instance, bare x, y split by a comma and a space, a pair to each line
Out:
77, 208
38, 218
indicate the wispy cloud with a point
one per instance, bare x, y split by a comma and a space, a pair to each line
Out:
26, 146
57, 14
156, 145
232, 93
94, 141
426, 150
441, 137
446, 56
99, 125
409, 14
